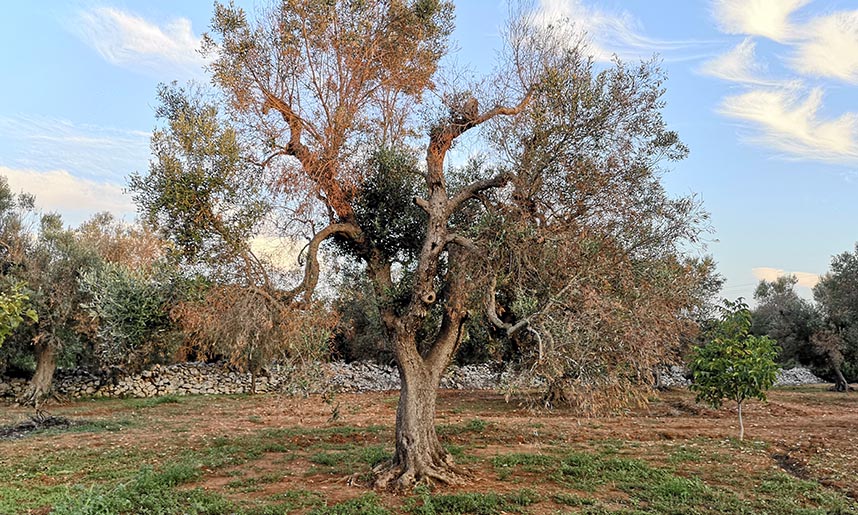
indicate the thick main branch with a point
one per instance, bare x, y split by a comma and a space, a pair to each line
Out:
311, 269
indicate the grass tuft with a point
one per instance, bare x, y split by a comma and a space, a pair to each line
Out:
364, 505
471, 503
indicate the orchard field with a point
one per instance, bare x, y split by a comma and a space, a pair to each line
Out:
271, 454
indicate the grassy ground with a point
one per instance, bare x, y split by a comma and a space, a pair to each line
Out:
273, 454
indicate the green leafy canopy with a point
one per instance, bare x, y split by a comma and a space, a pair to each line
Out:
734, 364
14, 308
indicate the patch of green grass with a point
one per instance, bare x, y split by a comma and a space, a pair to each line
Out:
610, 446
254, 483
288, 502
179, 473
352, 459
229, 451
527, 461
572, 500
87, 426
147, 492
322, 433
364, 505
506, 464
684, 454
784, 492
656, 490
470, 503
108, 425
474, 425
21, 498
274, 447
456, 451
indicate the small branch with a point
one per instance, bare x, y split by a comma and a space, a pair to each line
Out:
505, 111
510, 329
295, 147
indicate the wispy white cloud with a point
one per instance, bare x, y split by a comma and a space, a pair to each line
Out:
45, 143
767, 18
789, 120
806, 279
739, 65
828, 47
131, 41
73, 197
608, 33
785, 114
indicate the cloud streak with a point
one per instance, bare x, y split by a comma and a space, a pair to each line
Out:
785, 114
790, 122
828, 48
127, 40
607, 33
767, 18
46, 143
739, 65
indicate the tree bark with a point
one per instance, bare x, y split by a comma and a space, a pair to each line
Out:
419, 455
840, 383
41, 384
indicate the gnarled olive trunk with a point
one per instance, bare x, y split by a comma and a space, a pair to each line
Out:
419, 455
40, 386
840, 383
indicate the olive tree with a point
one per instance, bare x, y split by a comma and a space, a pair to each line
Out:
82, 306
52, 268
837, 297
558, 234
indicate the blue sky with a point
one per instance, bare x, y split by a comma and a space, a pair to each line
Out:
764, 92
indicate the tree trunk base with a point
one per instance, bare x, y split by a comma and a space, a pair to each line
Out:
400, 477
34, 397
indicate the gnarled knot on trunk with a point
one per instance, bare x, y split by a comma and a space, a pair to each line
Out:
429, 297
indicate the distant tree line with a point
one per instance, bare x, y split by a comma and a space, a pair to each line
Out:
821, 334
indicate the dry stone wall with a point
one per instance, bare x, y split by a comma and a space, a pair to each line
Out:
209, 379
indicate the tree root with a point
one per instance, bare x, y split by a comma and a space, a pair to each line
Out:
401, 478
34, 398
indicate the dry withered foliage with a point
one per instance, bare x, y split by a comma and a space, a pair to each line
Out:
250, 330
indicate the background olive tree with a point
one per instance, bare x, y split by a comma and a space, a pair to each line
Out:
90, 290
837, 297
